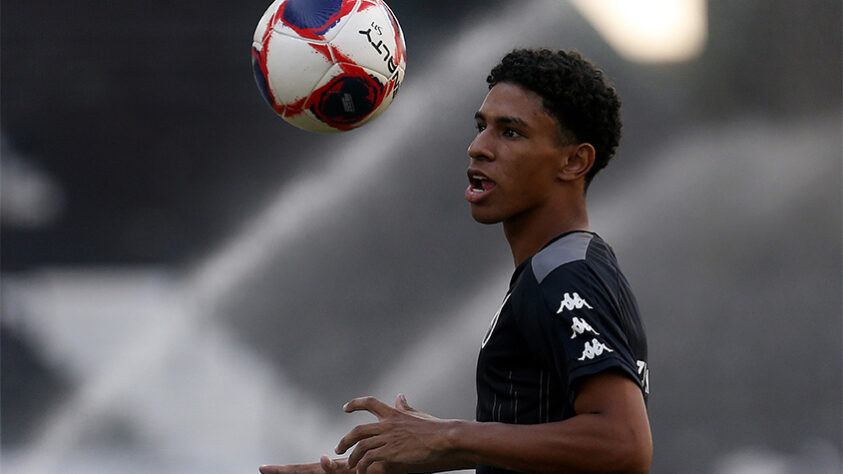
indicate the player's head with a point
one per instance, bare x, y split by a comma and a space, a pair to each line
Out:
574, 92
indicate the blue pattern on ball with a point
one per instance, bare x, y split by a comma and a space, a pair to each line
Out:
310, 13
260, 78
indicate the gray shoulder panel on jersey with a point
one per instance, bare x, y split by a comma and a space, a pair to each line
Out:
569, 248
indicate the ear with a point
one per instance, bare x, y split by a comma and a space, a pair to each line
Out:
577, 161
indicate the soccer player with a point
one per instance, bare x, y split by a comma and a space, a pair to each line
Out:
562, 376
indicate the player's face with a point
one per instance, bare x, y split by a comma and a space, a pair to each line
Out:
515, 156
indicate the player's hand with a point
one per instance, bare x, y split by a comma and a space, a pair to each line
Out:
325, 465
402, 436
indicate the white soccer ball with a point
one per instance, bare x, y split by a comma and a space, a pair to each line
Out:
328, 65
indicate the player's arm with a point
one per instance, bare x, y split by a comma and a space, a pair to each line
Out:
610, 433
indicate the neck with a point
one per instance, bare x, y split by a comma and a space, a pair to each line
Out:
529, 233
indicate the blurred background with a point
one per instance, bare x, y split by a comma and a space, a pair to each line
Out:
189, 284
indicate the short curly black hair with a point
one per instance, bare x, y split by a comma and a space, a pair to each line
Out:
574, 92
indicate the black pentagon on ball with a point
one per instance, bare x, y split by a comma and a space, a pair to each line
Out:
347, 100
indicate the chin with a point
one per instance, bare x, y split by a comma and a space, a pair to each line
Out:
484, 217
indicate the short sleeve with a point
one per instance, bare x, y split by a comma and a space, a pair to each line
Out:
572, 323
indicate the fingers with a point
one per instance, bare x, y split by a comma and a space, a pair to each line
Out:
365, 454
370, 404
335, 466
372, 463
325, 465
314, 468
339, 466
328, 465
401, 403
359, 432
377, 468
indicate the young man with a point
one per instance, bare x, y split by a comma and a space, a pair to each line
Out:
562, 374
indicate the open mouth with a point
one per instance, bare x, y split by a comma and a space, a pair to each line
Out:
479, 182
478, 185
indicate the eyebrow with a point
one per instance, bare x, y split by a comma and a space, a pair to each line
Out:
506, 120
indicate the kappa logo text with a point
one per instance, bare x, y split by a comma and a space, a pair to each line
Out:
572, 301
580, 326
594, 348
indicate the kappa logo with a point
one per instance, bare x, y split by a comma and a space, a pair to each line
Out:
572, 301
580, 326
594, 348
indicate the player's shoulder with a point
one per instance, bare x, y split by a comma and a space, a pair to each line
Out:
570, 255
561, 253
578, 260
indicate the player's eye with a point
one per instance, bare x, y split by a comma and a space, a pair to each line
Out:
511, 133
481, 127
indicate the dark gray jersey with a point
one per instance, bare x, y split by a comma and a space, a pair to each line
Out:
569, 313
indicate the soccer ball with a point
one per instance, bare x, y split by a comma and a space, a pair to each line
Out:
328, 65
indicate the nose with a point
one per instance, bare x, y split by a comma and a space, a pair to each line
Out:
480, 148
